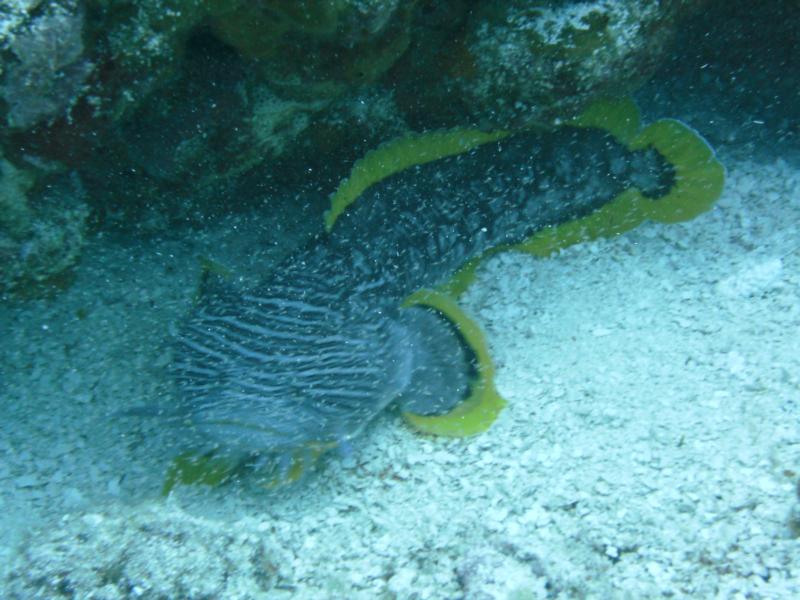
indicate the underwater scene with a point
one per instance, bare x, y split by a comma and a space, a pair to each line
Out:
399, 299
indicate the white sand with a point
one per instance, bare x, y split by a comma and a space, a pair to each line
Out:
651, 446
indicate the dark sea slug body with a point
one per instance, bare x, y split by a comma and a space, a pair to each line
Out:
306, 360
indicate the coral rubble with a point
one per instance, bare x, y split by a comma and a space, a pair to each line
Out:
175, 109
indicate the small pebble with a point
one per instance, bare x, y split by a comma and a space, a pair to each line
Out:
27, 481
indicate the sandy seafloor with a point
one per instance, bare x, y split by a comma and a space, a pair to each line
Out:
650, 447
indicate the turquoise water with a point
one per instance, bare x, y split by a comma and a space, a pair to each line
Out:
650, 442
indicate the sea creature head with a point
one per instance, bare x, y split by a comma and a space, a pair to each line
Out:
295, 368
286, 366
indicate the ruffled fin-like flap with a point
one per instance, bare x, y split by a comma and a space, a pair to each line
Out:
618, 116
191, 468
699, 176
698, 181
213, 470
398, 155
483, 404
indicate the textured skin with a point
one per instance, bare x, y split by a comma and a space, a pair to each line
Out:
321, 347
415, 228
288, 364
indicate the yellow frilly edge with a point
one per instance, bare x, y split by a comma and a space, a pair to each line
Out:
699, 180
618, 116
190, 468
198, 468
480, 409
398, 155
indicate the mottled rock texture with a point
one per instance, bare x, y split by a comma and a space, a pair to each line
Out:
183, 109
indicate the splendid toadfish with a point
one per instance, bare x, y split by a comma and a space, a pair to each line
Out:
365, 317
